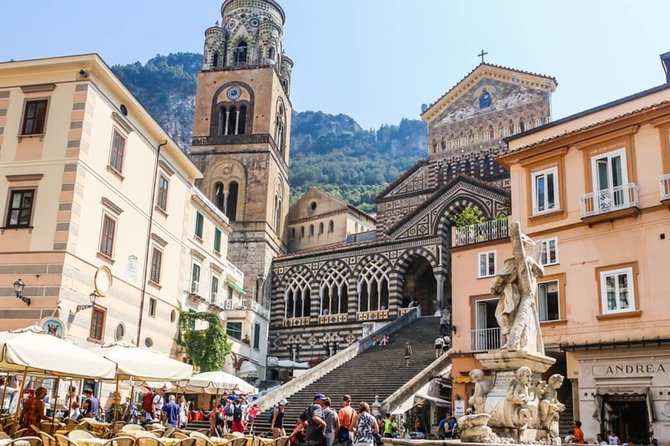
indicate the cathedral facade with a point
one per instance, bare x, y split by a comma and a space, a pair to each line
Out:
325, 272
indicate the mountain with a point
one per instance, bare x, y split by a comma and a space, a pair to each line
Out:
329, 151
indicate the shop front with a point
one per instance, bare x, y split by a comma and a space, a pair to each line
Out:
622, 390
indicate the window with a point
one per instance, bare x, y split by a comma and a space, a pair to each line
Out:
617, 290
545, 191
297, 297
331, 226
156, 262
373, 286
161, 199
97, 329
234, 330
231, 204
610, 175
195, 279
549, 251
34, 117
20, 210
257, 336
320, 228
217, 240
487, 264
240, 53
548, 307
333, 290
302, 231
152, 307
292, 233
230, 293
487, 335
199, 224
118, 149
214, 291
107, 235
311, 230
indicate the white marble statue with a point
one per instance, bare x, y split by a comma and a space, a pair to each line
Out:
482, 387
516, 288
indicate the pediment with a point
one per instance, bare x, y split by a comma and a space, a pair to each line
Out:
416, 178
432, 218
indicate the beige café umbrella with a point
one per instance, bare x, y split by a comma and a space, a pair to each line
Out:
217, 382
139, 364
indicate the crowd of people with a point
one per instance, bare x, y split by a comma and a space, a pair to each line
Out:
233, 413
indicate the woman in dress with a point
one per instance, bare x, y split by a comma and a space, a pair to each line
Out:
278, 420
366, 426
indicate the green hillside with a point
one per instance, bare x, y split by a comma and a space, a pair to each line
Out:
331, 152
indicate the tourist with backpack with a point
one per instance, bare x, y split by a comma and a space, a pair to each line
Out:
148, 406
316, 424
238, 416
277, 421
345, 416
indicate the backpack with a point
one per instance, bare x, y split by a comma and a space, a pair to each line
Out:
148, 400
237, 413
229, 410
271, 414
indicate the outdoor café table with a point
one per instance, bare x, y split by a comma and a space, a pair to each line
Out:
6, 441
91, 441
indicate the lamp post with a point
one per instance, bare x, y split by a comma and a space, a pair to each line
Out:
19, 285
92, 298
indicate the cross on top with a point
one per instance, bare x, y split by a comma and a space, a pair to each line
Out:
482, 54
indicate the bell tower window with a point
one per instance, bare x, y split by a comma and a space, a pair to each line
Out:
240, 53
219, 197
271, 53
215, 60
231, 202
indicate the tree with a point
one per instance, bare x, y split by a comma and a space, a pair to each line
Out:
468, 216
208, 347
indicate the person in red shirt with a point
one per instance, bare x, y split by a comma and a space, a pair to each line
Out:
578, 436
33, 411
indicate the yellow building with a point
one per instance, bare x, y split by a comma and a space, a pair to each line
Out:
100, 211
592, 190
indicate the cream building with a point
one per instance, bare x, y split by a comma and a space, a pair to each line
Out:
592, 190
101, 218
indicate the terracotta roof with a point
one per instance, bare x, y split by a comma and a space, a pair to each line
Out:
488, 65
587, 127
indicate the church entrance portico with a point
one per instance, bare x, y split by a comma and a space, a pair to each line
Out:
419, 283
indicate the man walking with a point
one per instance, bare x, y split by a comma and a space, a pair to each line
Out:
345, 416
332, 422
408, 353
170, 412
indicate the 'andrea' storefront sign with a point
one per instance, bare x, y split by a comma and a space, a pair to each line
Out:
630, 369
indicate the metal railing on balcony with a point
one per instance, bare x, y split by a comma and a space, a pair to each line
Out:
610, 200
251, 304
485, 339
481, 232
664, 181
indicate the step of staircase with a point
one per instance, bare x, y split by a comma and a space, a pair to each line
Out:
566, 420
378, 371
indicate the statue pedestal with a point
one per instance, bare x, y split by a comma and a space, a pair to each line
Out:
513, 401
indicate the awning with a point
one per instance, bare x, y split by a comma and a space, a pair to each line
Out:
236, 287
409, 402
144, 365
438, 401
248, 370
446, 373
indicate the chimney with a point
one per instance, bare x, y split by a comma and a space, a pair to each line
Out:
665, 60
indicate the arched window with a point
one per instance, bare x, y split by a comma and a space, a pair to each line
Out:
297, 297
215, 60
333, 290
292, 233
373, 287
331, 226
220, 197
511, 127
240, 53
311, 230
302, 231
320, 228
232, 120
271, 53
277, 215
231, 202
522, 125
280, 125
241, 120
492, 133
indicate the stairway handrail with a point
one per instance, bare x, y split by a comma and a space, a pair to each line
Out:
413, 385
298, 383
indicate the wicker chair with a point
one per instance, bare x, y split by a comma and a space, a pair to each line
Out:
120, 441
238, 441
148, 441
179, 435
132, 427
281, 441
47, 440
77, 434
200, 439
21, 441
186, 442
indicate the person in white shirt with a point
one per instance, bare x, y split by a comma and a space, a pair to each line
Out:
9, 393
612, 438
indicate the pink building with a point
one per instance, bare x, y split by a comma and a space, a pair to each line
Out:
593, 189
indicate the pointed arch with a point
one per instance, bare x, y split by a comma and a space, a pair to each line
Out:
372, 283
408, 257
240, 53
333, 287
297, 292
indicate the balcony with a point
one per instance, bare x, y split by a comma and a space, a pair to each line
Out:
481, 232
664, 182
256, 307
485, 339
610, 204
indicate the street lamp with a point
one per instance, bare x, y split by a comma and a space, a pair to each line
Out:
92, 298
19, 285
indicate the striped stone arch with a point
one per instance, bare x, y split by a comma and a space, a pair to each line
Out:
443, 223
360, 269
297, 281
408, 257
327, 266
296, 270
332, 283
365, 260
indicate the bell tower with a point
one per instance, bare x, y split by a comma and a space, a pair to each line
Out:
241, 133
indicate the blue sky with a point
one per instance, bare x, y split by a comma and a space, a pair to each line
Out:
379, 60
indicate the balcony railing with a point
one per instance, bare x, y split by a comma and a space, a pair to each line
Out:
296, 321
378, 315
485, 339
333, 318
613, 199
664, 181
481, 232
254, 306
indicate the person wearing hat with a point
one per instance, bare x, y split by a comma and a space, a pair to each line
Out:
278, 420
316, 424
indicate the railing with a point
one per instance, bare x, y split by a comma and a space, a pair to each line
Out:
296, 321
232, 304
609, 200
333, 318
485, 339
664, 181
481, 232
379, 315
251, 304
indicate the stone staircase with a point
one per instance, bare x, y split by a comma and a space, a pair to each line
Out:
377, 371
566, 421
